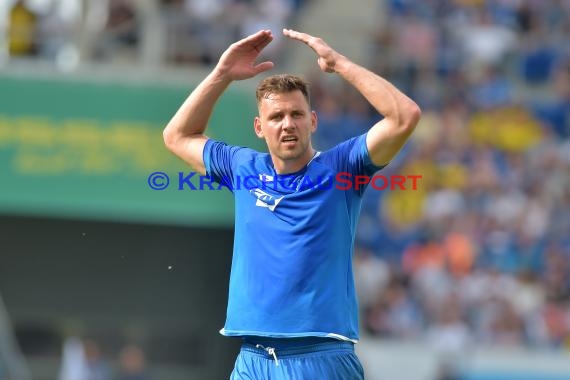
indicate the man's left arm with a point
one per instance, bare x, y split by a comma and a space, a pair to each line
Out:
401, 114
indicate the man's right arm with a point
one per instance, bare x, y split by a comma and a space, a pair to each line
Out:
184, 134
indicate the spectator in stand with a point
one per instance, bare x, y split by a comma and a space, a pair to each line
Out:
132, 363
22, 30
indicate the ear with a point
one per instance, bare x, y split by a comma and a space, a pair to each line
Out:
314, 121
257, 127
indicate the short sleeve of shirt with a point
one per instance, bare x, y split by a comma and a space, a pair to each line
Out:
352, 157
222, 160
359, 157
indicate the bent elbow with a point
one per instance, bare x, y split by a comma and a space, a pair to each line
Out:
168, 138
413, 115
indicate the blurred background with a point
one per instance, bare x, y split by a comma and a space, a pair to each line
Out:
103, 278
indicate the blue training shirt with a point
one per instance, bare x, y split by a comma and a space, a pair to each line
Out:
291, 273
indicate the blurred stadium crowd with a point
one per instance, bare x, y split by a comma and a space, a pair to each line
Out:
120, 31
480, 253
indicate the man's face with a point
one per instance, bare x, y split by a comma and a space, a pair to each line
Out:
286, 123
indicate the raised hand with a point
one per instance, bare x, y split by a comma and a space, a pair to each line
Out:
327, 59
238, 61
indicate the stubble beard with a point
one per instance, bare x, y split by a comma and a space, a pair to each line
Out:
298, 152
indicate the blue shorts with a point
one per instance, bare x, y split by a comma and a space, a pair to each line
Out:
297, 359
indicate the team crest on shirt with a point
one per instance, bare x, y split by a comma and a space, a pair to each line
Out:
265, 200
266, 178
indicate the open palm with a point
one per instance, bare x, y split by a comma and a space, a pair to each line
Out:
238, 61
327, 57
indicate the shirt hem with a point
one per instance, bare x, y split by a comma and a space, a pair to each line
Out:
340, 337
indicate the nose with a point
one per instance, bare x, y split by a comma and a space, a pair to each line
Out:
288, 123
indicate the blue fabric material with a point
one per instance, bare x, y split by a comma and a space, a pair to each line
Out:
331, 361
291, 272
